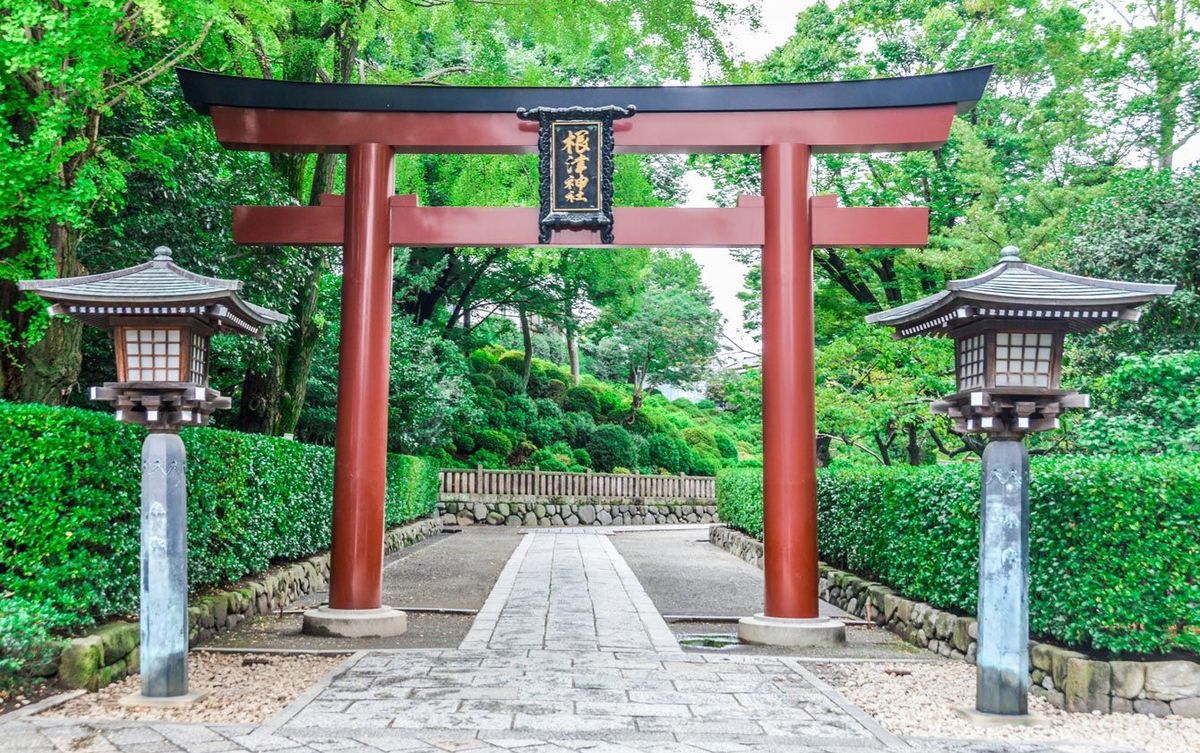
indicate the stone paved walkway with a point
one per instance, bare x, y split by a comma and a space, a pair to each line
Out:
569, 592
568, 654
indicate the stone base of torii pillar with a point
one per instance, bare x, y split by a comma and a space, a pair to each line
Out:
383, 622
793, 632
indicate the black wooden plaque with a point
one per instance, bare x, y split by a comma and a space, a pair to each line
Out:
575, 148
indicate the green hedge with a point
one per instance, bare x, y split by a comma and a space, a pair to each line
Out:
69, 508
1114, 550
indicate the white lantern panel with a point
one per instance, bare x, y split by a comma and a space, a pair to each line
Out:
1023, 359
152, 354
971, 357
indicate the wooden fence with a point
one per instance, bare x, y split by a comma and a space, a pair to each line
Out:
537, 483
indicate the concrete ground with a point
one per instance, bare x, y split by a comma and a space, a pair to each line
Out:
450, 570
685, 575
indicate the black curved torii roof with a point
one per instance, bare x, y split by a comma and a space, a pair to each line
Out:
963, 89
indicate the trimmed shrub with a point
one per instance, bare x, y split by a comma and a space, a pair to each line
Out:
577, 428
726, 447
1114, 557
27, 647
506, 380
514, 362
704, 464
611, 446
700, 440
582, 458
494, 441
488, 459
668, 453
70, 512
581, 400
482, 359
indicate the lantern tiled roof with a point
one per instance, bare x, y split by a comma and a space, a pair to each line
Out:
158, 287
1017, 289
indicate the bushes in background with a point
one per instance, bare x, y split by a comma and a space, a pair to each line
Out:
70, 509
1114, 555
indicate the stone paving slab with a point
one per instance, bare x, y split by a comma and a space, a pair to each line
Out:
57, 736
570, 592
630, 697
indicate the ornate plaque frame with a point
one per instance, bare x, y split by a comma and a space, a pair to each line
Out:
596, 211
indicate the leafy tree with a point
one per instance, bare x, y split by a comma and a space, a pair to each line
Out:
1154, 51
1144, 227
67, 66
1146, 404
670, 336
873, 395
430, 399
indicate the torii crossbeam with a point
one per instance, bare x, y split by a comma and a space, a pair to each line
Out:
785, 123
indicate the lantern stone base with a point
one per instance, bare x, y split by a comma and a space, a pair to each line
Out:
983, 719
797, 633
384, 622
137, 700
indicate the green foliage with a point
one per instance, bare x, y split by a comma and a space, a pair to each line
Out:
1147, 404
611, 446
26, 643
700, 440
1144, 227
506, 380
1114, 560
430, 397
494, 441
581, 400
704, 464
726, 447
70, 513
514, 362
667, 453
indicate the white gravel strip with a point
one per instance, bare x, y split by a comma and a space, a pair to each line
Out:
918, 700
243, 689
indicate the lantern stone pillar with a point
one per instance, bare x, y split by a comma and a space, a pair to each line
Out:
1008, 325
791, 615
1002, 658
161, 317
163, 617
355, 607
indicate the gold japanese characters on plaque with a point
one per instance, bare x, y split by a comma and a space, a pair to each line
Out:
575, 146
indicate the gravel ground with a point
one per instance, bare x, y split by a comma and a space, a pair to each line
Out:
243, 689
919, 701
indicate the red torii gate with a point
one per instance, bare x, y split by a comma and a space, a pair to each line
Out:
786, 123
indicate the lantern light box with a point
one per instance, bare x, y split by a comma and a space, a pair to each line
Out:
1008, 326
162, 318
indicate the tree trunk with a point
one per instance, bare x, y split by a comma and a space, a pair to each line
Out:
258, 409
50, 367
823, 445
298, 363
916, 455
573, 353
527, 342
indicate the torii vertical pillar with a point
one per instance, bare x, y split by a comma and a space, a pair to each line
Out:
791, 614
360, 451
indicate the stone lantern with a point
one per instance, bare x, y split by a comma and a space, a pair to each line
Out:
1008, 326
161, 318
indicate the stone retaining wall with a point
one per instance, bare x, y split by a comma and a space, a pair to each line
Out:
1068, 679
110, 652
547, 512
